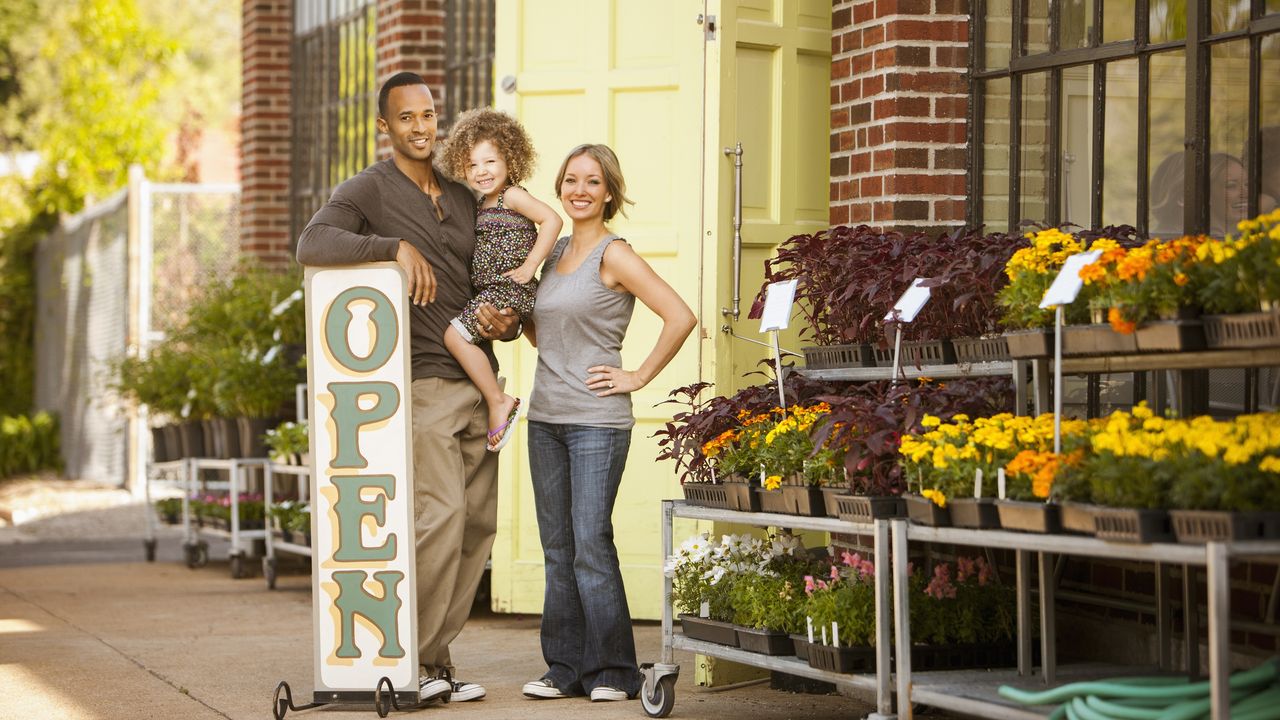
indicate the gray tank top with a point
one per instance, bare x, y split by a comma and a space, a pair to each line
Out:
580, 324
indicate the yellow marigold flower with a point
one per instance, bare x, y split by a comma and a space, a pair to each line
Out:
930, 421
1270, 464
936, 497
773, 482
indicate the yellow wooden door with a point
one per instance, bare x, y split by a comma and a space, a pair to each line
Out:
629, 74
668, 88
768, 80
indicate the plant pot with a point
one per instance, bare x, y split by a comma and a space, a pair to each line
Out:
977, 513
918, 353
1037, 517
861, 659
804, 500
1243, 330
192, 439
800, 644
772, 501
1201, 526
227, 431
979, 350
740, 497
171, 518
765, 642
959, 656
1077, 517
721, 633
173, 441
1139, 525
159, 448
1096, 340
923, 511
827, 357
869, 508
252, 430
705, 495
1171, 336
1033, 343
831, 499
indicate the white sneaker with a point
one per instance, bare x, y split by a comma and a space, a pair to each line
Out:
464, 691
604, 693
543, 689
434, 688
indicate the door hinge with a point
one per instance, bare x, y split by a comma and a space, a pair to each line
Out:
708, 23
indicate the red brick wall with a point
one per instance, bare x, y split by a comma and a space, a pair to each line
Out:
411, 37
899, 99
264, 141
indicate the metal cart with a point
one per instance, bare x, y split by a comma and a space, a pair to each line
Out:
302, 475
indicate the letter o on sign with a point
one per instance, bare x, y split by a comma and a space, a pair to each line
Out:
385, 327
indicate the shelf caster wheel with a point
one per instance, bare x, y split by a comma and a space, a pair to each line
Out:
237, 566
150, 546
197, 554
658, 695
269, 572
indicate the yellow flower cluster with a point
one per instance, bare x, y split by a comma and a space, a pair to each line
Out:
1042, 467
1049, 248
936, 497
798, 419
1140, 433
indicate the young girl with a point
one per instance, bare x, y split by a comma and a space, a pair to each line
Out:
492, 152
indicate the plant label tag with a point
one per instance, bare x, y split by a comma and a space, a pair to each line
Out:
911, 302
778, 299
704, 610
1067, 285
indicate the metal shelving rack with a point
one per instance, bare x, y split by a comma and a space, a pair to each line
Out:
877, 686
187, 473
302, 475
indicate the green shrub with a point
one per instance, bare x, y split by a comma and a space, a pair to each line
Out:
29, 444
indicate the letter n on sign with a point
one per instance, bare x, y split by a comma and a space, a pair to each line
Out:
362, 493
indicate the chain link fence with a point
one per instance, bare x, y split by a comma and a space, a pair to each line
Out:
107, 286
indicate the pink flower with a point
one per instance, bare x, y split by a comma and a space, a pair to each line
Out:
940, 586
835, 573
867, 569
964, 568
808, 585
985, 572
850, 559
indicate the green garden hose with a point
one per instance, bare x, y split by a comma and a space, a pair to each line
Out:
1261, 675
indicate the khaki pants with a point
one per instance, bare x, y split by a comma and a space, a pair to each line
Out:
455, 507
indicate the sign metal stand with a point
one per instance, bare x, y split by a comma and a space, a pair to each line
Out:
1064, 290
778, 300
905, 311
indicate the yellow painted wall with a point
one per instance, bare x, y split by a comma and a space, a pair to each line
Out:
641, 76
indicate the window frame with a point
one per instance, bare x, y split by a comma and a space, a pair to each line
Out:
1197, 46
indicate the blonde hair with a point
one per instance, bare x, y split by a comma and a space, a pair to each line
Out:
505, 132
610, 168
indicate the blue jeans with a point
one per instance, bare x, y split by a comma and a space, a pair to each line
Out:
586, 626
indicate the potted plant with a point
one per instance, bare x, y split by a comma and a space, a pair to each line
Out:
840, 616
702, 571
1237, 281
170, 510
300, 523
767, 604
963, 304
288, 443
961, 616
1031, 270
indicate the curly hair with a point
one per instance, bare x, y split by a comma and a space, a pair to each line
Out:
505, 132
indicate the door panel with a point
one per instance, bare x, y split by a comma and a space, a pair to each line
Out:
628, 74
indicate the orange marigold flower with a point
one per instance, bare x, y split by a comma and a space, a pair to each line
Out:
1180, 279
1119, 324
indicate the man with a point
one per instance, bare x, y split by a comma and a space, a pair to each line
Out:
401, 209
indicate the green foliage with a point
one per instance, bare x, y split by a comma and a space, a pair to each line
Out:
961, 603
767, 603
169, 507
850, 603
289, 438
28, 444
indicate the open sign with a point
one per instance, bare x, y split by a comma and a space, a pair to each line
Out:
363, 596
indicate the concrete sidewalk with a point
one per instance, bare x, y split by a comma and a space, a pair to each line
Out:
82, 638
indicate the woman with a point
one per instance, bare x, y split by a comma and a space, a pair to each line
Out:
580, 424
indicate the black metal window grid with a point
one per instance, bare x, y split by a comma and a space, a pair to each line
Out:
469, 29
333, 100
1023, 53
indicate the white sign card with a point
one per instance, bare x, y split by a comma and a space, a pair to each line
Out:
1067, 285
911, 302
364, 587
778, 298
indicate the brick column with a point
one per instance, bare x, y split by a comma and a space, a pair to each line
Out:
899, 101
265, 134
411, 37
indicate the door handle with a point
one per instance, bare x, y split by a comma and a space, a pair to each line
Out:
736, 152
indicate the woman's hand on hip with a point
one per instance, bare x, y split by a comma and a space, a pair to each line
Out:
605, 380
